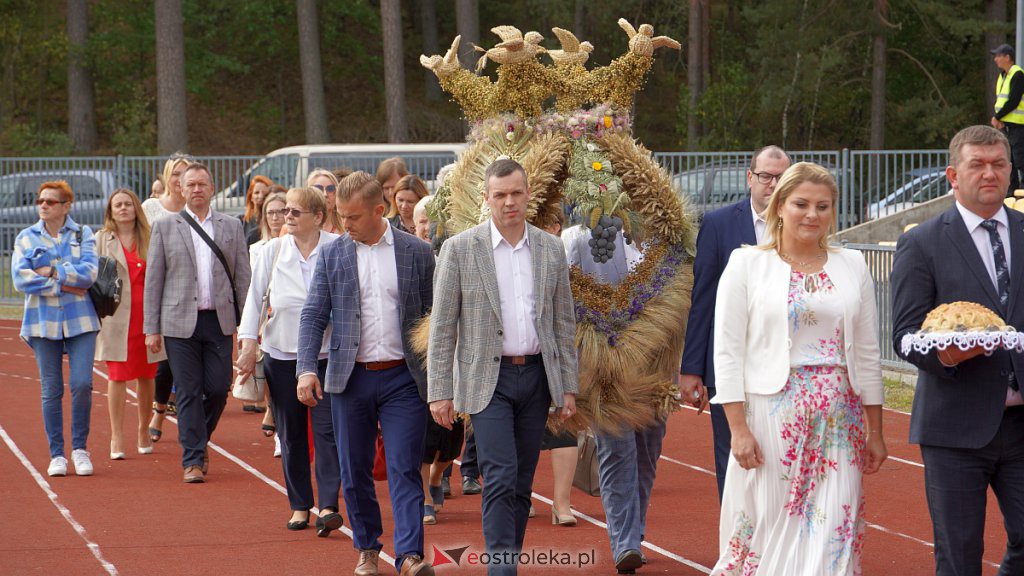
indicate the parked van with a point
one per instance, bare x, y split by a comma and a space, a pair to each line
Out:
290, 166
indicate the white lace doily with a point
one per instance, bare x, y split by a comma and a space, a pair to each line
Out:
923, 342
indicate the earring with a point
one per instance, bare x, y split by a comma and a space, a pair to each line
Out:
779, 223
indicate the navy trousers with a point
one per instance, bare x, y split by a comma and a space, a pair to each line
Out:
956, 483
390, 398
723, 442
292, 419
202, 375
508, 434
469, 467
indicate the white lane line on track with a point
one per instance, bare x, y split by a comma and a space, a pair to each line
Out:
603, 526
45, 486
251, 470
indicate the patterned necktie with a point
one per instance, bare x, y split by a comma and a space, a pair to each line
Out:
999, 256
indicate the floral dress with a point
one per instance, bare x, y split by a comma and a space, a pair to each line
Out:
802, 511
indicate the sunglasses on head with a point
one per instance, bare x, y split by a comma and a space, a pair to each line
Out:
50, 202
330, 188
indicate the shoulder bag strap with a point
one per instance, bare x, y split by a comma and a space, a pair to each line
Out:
265, 304
216, 251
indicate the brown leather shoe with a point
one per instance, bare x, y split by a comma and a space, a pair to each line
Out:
416, 566
367, 563
206, 461
194, 475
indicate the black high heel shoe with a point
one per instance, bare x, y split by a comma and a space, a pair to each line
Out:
328, 522
299, 524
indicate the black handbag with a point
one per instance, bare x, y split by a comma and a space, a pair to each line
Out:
105, 292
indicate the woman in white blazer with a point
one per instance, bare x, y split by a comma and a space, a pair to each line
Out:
285, 267
799, 377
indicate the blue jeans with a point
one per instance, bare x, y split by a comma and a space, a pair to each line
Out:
81, 350
627, 465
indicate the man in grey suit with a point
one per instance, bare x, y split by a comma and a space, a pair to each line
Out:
502, 349
968, 413
372, 285
190, 302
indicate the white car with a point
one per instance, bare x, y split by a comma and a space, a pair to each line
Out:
290, 166
924, 184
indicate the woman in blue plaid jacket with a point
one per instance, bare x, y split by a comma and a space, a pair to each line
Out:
54, 265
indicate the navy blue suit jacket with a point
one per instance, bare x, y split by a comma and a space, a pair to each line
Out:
722, 231
334, 295
935, 263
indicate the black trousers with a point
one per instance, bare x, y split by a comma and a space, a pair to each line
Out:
956, 482
1015, 134
292, 419
164, 382
202, 372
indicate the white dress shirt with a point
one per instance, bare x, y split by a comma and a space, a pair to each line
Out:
514, 269
204, 260
380, 325
290, 282
984, 244
759, 223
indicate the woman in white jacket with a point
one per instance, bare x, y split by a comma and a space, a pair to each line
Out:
798, 372
285, 266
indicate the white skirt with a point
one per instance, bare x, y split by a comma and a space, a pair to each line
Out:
802, 511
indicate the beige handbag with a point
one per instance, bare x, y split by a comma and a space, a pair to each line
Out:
586, 477
254, 388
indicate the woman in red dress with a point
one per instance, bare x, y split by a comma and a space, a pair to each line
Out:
125, 238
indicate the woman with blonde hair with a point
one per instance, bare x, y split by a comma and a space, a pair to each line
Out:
170, 202
799, 376
389, 172
121, 343
326, 182
259, 189
408, 191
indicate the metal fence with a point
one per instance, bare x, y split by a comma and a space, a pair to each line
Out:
879, 259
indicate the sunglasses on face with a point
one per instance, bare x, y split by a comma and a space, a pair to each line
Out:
49, 202
329, 189
293, 212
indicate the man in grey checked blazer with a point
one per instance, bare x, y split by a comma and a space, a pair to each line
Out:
372, 284
502, 349
188, 301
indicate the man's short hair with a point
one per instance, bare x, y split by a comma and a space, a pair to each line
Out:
362, 186
194, 167
979, 135
501, 168
770, 151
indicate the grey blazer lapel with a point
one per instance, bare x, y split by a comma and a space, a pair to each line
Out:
349, 266
185, 232
403, 267
484, 254
538, 261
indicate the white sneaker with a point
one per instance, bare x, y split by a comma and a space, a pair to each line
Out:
58, 466
83, 465
277, 446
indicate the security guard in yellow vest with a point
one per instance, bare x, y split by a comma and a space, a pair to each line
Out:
1009, 113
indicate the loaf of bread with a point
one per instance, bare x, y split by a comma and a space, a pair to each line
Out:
963, 317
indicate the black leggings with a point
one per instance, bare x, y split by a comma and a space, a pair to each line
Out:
164, 382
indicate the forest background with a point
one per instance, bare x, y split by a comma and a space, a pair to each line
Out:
140, 77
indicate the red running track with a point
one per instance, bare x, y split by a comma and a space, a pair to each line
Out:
137, 516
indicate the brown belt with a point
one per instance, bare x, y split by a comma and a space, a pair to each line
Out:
385, 365
521, 360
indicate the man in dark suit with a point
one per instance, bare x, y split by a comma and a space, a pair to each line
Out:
968, 416
373, 284
721, 232
189, 301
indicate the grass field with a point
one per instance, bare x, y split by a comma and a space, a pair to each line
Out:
898, 396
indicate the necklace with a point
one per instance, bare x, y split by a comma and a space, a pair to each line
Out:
802, 263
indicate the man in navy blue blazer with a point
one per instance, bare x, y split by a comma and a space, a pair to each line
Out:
721, 232
372, 284
968, 414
